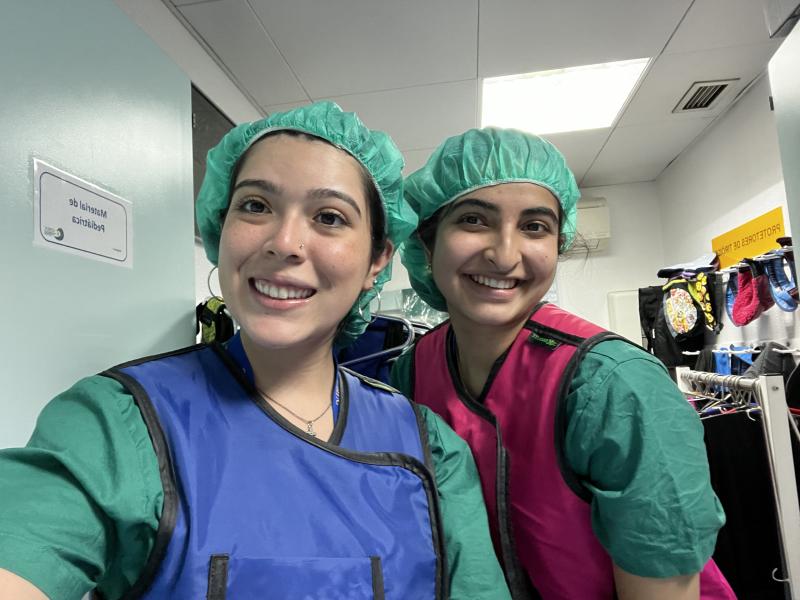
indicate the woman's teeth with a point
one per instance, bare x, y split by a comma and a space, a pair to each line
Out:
498, 284
280, 292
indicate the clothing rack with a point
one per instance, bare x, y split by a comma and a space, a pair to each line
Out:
768, 392
778, 252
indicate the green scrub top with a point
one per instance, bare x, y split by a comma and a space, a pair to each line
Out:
80, 503
637, 445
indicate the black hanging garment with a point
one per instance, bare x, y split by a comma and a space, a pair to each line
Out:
747, 546
661, 341
793, 394
770, 362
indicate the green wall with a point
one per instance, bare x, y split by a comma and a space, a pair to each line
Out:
82, 88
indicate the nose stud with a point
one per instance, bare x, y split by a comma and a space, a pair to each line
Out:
302, 245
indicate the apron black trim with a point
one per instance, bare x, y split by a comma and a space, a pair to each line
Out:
556, 334
518, 581
434, 511
520, 585
344, 411
217, 577
423, 434
412, 384
413, 373
138, 361
475, 405
169, 510
388, 459
560, 336
560, 422
539, 305
344, 399
378, 590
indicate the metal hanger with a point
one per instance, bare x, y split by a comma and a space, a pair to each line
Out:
399, 349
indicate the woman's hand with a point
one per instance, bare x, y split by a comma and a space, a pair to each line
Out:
14, 587
633, 587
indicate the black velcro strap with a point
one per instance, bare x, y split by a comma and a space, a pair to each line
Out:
377, 578
217, 577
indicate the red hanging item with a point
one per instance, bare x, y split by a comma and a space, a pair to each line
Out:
753, 297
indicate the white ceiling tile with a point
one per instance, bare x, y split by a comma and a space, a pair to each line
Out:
672, 74
418, 117
276, 108
233, 31
187, 2
720, 24
409, 67
580, 148
641, 152
519, 36
352, 46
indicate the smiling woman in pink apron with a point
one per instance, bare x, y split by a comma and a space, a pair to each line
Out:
592, 463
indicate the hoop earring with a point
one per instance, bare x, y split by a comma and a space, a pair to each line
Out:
208, 284
360, 312
375, 312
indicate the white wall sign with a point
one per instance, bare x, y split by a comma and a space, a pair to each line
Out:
77, 217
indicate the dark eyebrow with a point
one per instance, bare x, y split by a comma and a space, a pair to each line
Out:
540, 211
476, 203
321, 193
537, 211
262, 184
315, 194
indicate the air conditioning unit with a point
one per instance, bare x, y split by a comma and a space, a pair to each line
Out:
594, 226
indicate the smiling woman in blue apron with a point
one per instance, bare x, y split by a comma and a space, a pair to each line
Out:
258, 468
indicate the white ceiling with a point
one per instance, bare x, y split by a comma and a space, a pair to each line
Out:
413, 67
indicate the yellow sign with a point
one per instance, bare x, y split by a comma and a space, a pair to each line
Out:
751, 239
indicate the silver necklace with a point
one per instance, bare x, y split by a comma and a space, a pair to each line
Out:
309, 423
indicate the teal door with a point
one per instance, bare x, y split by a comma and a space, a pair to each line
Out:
83, 89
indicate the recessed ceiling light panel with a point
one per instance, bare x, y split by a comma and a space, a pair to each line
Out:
573, 99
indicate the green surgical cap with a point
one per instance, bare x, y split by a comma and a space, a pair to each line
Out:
476, 159
325, 120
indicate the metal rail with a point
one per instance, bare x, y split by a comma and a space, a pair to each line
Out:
769, 393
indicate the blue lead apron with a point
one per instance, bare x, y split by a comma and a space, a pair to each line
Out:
254, 508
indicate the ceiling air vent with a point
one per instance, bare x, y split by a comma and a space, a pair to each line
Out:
703, 95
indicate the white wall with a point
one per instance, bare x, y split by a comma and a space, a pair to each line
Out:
633, 256
729, 176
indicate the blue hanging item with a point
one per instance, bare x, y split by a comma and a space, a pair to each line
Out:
731, 291
722, 363
733, 360
742, 360
781, 286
